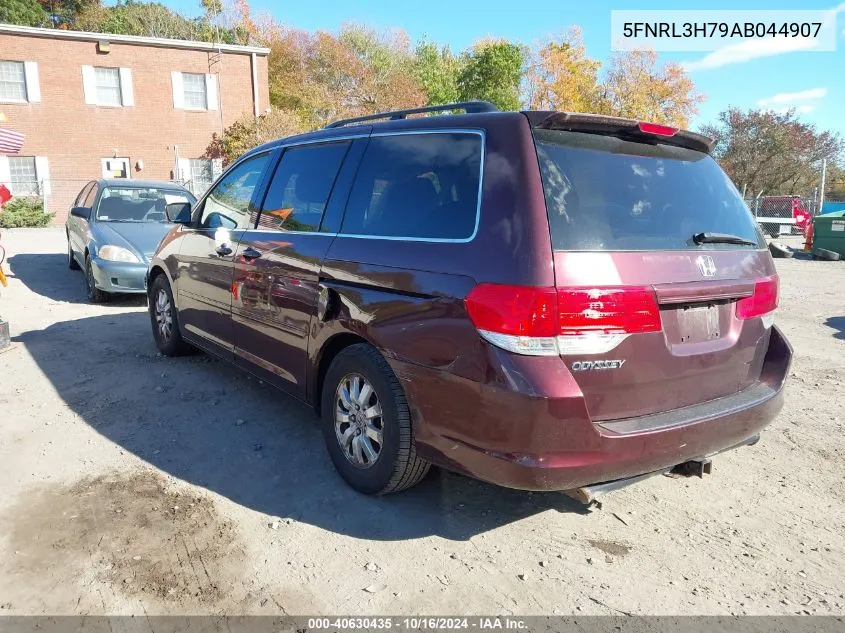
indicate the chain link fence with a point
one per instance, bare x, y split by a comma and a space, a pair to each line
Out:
783, 214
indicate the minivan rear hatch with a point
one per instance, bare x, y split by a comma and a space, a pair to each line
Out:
665, 289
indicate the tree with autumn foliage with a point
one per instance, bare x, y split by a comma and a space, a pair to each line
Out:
562, 77
634, 84
772, 152
63, 13
249, 131
835, 182
322, 76
637, 86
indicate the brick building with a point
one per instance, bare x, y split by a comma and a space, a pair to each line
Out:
98, 105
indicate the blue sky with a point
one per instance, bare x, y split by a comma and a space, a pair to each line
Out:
814, 82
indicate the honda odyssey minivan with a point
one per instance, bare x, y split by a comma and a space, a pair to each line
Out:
542, 300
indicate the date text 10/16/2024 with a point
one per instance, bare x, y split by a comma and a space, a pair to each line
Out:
418, 623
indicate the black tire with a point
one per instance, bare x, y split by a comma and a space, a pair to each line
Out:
823, 253
779, 250
397, 466
95, 295
169, 342
71, 260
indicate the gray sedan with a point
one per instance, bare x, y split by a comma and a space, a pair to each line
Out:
113, 230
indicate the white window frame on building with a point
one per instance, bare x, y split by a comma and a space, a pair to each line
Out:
25, 79
120, 167
97, 84
26, 175
179, 91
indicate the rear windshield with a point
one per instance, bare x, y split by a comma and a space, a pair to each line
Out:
607, 193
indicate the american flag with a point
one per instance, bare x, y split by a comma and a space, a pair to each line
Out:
10, 141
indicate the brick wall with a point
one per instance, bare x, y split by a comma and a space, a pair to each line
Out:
75, 136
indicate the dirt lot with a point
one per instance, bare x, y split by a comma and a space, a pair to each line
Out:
133, 483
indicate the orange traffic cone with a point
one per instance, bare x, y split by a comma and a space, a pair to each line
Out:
808, 242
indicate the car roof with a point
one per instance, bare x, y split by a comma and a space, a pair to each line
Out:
443, 121
535, 118
131, 183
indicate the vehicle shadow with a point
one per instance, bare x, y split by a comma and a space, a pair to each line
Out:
208, 424
48, 275
837, 323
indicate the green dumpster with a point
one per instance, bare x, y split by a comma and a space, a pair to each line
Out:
829, 232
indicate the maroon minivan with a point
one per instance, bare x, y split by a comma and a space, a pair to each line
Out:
542, 300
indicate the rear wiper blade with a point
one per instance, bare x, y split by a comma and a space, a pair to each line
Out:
721, 238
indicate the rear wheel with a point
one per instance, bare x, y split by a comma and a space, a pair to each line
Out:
71, 260
95, 295
367, 424
164, 319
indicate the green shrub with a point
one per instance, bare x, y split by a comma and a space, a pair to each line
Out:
20, 212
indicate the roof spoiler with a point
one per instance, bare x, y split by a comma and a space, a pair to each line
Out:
618, 126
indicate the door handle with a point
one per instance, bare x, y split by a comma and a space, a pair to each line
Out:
224, 250
250, 254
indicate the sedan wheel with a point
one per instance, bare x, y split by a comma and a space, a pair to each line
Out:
95, 295
358, 421
71, 260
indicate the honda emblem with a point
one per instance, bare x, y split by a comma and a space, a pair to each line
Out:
706, 265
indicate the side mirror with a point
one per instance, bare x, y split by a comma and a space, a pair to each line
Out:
81, 212
179, 212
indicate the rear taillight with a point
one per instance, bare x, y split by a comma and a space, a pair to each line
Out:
608, 311
552, 321
762, 303
522, 319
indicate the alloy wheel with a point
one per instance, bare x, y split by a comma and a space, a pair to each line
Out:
359, 425
163, 314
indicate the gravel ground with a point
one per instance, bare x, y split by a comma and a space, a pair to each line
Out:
133, 483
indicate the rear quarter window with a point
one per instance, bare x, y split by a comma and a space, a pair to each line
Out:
417, 186
608, 193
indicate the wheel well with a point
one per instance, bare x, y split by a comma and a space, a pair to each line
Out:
155, 271
331, 349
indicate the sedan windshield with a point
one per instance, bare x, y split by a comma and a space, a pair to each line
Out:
138, 204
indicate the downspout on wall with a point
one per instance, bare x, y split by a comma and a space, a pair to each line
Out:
254, 67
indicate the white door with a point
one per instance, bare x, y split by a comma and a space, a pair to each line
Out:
116, 168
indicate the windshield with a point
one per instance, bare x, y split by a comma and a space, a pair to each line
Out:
608, 193
138, 204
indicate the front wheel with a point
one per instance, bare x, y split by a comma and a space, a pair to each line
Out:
71, 260
164, 319
95, 295
367, 424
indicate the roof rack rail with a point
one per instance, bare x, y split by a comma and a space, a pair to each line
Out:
470, 107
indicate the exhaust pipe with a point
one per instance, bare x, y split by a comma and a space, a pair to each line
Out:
588, 495
694, 468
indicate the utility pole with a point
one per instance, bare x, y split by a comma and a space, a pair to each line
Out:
824, 175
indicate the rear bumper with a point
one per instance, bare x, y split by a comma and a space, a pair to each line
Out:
508, 435
119, 276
